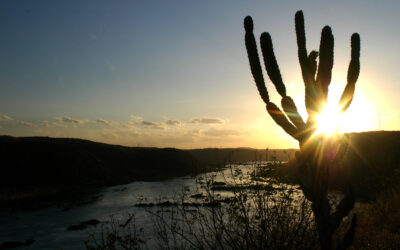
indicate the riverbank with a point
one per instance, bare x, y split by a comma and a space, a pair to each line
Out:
36, 171
40, 170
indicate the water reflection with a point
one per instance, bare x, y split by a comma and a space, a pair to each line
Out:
48, 227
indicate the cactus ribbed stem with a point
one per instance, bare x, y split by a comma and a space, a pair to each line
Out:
352, 73
254, 60
279, 117
307, 69
271, 64
301, 44
312, 61
325, 65
290, 109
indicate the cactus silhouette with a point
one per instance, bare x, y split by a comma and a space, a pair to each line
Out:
317, 153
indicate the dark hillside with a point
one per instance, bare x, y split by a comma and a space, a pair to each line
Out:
43, 161
372, 162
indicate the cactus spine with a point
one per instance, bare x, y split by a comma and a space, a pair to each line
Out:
313, 160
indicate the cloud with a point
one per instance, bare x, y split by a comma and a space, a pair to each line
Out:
5, 118
104, 122
49, 124
207, 121
66, 119
26, 124
152, 125
221, 132
192, 133
137, 121
173, 122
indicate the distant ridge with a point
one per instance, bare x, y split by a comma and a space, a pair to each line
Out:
45, 161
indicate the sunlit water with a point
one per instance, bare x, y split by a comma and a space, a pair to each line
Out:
48, 227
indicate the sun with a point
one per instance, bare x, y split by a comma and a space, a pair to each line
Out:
328, 120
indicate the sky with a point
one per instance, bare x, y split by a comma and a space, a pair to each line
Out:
176, 73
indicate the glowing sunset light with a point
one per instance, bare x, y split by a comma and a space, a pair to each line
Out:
103, 64
329, 119
359, 117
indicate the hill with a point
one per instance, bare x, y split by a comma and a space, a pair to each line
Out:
36, 169
372, 162
43, 161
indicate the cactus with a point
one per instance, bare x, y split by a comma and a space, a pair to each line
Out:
316, 152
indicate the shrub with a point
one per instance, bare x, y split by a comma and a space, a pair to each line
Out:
118, 233
256, 215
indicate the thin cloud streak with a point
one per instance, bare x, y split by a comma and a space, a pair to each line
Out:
26, 124
50, 124
104, 122
135, 131
207, 121
5, 118
67, 119
173, 122
152, 125
221, 132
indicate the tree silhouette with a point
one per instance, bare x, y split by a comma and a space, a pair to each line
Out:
317, 152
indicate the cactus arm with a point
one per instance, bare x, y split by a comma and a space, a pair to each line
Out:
254, 60
279, 117
274, 74
352, 73
270, 63
342, 209
290, 109
301, 44
325, 65
349, 236
306, 70
312, 61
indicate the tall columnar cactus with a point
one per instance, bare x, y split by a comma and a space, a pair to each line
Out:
315, 151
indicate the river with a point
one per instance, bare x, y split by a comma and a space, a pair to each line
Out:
48, 226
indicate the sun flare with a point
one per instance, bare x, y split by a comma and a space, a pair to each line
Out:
328, 120
361, 115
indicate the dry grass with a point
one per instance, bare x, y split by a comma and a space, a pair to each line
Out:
378, 224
